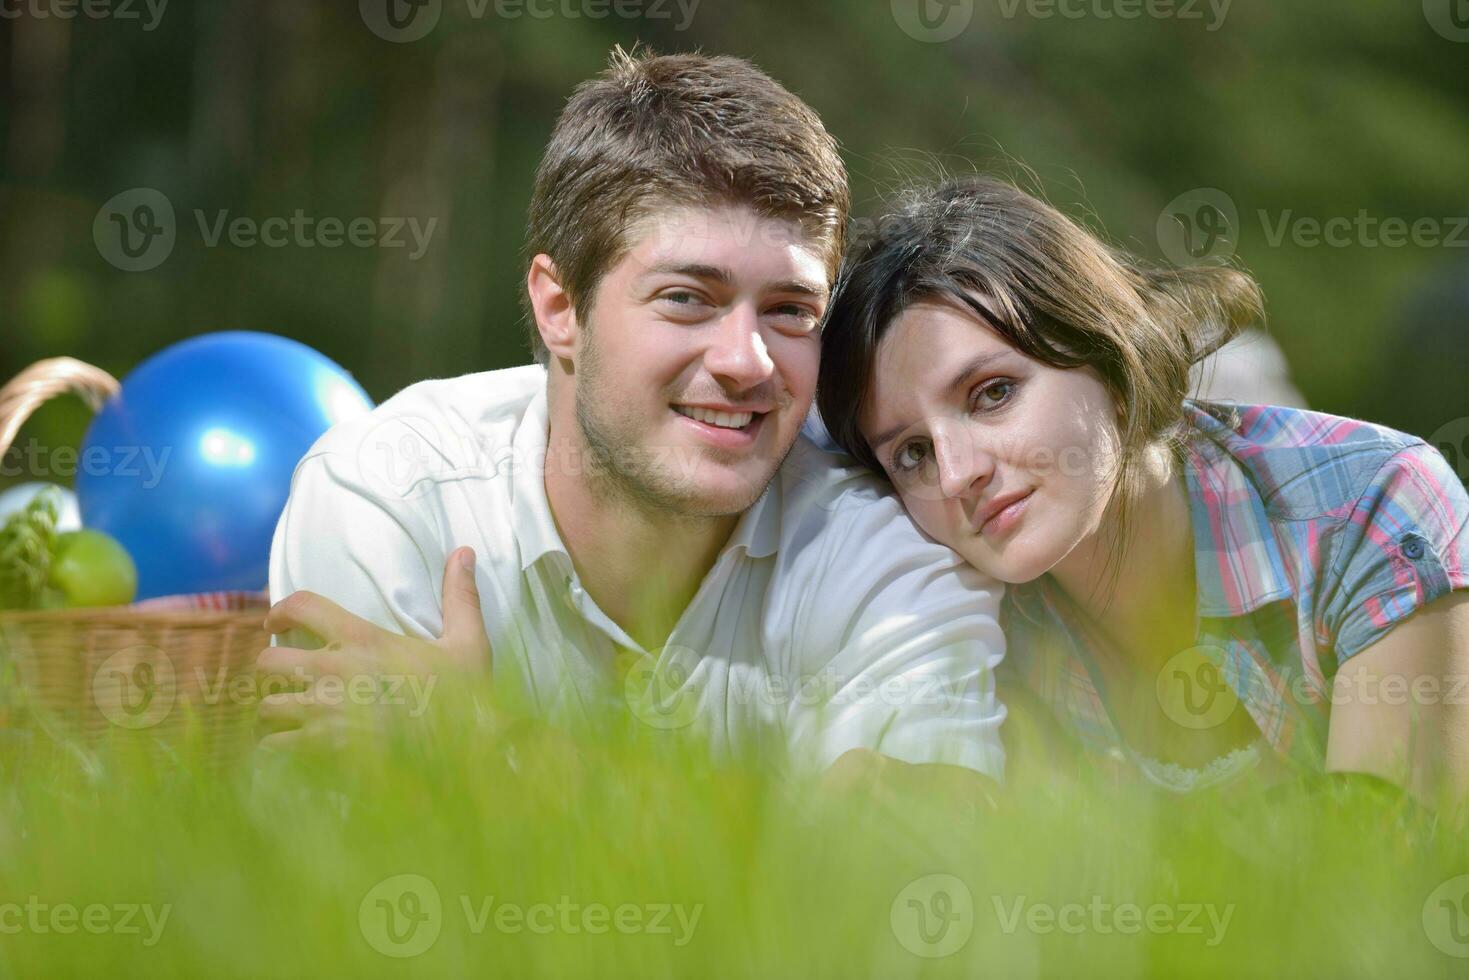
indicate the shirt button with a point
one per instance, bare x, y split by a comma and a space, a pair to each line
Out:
1412, 547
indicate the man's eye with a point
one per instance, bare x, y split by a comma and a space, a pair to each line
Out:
794, 309
794, 317
682, 297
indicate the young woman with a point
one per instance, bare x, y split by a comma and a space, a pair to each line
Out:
1196, 589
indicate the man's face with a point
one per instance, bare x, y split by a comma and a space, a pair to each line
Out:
697, 360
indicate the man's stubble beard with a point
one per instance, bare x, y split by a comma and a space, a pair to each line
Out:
631, 474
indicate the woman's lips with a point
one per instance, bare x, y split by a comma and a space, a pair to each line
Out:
1009, 514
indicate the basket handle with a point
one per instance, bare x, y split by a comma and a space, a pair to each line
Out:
43, 381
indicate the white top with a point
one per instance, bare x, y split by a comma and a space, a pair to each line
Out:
1185, 779
828, 619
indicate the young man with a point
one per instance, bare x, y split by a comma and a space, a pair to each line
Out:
639, 503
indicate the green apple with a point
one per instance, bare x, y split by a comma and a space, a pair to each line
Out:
90, 568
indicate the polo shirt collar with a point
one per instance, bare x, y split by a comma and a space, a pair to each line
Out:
1238, 564
535, 529
758, 530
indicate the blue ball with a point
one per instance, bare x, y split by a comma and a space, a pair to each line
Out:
190, 464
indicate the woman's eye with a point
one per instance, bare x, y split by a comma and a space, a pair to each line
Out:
993, 394
908, 456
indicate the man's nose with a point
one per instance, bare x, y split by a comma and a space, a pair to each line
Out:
964, 466
737, 353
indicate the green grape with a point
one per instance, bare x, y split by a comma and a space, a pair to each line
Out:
27, 543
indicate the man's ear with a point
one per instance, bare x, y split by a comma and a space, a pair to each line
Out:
551, 304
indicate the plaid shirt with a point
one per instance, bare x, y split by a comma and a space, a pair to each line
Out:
1313, 536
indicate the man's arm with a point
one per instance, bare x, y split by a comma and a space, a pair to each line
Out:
354, 598
321, 693
338, 539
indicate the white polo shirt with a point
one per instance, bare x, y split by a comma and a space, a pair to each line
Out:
828, 621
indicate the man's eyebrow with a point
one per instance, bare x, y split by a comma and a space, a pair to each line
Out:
800, 287
692, 269
970, 368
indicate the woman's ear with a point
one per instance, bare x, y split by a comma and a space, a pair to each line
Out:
551, 303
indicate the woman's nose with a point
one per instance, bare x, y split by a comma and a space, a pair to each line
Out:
964, 466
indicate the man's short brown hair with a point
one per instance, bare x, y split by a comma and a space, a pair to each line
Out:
654, 132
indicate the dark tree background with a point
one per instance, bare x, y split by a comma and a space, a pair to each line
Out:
1296, 112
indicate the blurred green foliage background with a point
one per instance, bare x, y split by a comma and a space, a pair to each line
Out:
1313, 109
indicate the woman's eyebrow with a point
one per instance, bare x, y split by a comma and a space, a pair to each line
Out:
970, 368
973, 366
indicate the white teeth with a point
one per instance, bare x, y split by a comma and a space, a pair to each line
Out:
725, 420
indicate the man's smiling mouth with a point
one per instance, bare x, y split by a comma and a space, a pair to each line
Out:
724, 420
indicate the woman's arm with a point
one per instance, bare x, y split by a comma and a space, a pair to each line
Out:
1400, 707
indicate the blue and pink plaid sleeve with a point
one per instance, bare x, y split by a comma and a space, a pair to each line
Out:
1405, 543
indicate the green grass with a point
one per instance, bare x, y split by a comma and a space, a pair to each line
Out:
265, 868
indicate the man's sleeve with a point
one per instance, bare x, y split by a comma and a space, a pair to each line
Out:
902, 638
338, 539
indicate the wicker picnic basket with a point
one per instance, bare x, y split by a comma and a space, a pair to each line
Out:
166, 679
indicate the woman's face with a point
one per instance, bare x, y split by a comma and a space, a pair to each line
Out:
1005, 459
